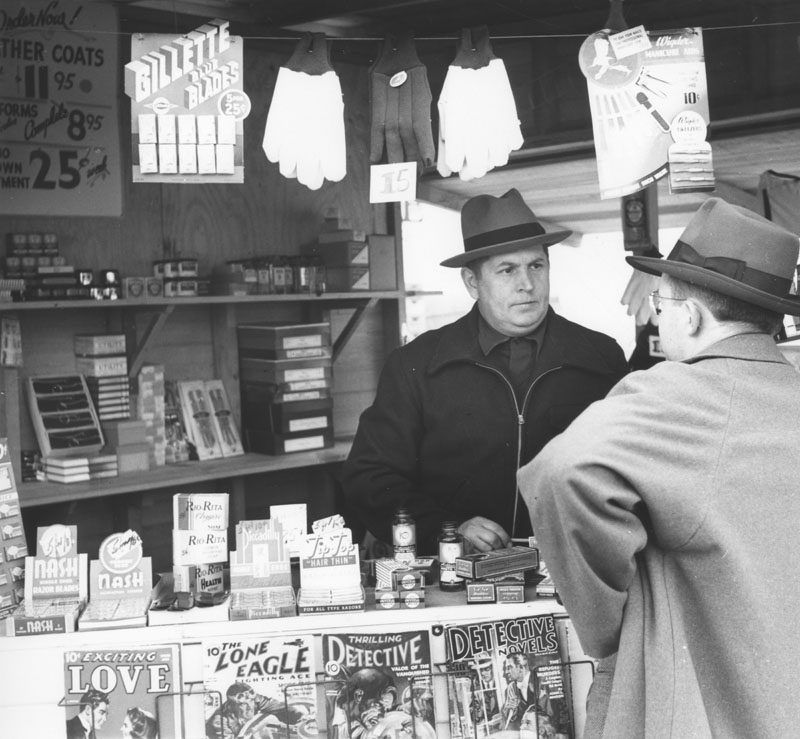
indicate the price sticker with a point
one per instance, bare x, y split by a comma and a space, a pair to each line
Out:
234, 103
393, 183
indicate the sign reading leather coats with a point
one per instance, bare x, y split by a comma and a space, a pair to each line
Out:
649, 104
59, 123
187, 106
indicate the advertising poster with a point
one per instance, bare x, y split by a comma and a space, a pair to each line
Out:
187, 106
59, 124
647, 94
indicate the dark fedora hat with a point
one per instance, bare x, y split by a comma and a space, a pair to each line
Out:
493, 225
735, 252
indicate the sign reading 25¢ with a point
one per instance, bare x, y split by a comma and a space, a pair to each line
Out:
58, 109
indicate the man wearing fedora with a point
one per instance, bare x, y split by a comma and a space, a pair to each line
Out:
460, 408
668, 512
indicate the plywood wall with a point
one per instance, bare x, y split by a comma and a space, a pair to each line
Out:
266, 215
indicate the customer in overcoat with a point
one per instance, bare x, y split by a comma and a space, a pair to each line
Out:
668, 512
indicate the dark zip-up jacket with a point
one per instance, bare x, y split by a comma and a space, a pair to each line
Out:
446, 435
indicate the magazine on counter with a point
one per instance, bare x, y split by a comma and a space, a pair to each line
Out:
260, 688
506, 678
110, 691
379, 685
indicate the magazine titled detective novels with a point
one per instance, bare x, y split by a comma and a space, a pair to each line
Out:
115, 691
378, 685
506, 678
260, 687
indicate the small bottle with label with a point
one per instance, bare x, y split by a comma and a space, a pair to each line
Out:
451, 546
404, 536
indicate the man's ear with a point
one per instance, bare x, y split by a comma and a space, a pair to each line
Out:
695, 313
470, 282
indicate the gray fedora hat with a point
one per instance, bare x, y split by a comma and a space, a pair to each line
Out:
735, 252
498, 225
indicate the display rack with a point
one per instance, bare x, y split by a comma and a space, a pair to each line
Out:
39, 660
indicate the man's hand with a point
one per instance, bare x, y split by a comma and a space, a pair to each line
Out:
483, 535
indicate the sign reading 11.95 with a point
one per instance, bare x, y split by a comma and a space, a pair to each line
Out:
58, 109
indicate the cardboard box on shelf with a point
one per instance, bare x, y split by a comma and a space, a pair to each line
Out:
282, 336
382, 262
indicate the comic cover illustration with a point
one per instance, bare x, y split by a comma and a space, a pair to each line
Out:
114, 692
379, 686
260, 688
506, 680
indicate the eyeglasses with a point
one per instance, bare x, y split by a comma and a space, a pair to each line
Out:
655, 301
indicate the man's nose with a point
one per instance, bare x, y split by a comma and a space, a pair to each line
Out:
524, 281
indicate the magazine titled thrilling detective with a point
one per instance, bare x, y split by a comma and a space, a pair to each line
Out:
379, 685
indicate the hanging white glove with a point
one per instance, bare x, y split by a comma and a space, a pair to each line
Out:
478, 123
304, 133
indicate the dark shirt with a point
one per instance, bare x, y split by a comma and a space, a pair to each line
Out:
515, 356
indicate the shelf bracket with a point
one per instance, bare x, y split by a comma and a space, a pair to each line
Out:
136, 358
352, 325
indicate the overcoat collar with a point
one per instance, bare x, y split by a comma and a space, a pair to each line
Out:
757, 347
564, 345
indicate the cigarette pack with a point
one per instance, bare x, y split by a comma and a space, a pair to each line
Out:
497, 562
387, 600
481, 592
412, 598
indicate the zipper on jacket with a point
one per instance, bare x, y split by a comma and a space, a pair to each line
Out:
520, 425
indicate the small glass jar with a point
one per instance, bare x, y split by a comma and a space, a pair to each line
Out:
404, 536
451, 546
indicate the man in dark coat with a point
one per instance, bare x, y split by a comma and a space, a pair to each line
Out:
461, 408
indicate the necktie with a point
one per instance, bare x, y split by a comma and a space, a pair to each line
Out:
521, 352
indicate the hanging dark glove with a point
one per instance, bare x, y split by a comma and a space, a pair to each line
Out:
400, 104
474, 49
311, 55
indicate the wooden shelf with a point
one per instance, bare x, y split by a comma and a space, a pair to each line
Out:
355, 295
174, 475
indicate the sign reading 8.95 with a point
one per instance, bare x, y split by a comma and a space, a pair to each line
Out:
60, 151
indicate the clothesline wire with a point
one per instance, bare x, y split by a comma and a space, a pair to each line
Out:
513, 37
439, 39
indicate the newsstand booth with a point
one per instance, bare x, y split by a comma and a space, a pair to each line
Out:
173, 177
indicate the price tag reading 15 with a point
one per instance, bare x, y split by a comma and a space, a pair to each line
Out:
393, 183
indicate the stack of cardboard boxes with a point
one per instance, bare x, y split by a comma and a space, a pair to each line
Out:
103, 362
352, 259
150, 408
286, 378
